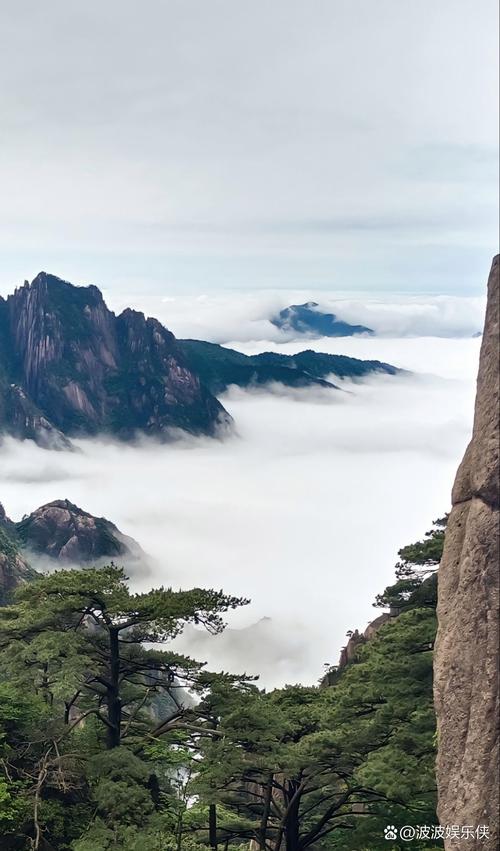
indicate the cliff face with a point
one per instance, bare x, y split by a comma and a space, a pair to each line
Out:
71, 367
466, 656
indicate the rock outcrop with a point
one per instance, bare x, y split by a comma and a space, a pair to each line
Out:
466, 658
64, 532
349, 653
60, 534
70, 367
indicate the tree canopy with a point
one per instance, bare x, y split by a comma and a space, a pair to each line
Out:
111, 740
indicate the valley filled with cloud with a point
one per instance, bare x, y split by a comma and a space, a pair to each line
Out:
304, 506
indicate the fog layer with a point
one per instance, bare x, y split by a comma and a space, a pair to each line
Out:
224, 316
303, 509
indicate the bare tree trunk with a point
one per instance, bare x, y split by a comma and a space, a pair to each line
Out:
113, 691
212, 826
268, 793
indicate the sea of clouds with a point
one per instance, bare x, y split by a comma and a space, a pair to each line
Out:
304, 507
235, 316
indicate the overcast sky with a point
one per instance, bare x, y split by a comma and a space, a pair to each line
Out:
189, 145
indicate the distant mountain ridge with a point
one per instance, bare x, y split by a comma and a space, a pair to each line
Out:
220, 367
309, 320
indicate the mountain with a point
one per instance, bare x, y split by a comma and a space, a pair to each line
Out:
308, 319
219, 367
71, 367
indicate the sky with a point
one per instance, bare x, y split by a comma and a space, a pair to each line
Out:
185, 146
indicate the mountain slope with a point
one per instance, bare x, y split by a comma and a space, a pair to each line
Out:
14, 569
71, 366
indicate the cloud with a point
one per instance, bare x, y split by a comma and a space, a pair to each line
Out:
225, 317
43, 473
303, 510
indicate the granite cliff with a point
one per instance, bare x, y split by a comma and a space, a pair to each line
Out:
466, 657
71, 367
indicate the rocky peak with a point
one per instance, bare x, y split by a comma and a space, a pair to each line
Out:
77, 369
63, 531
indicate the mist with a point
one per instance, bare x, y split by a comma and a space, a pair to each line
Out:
302, 509
227, 316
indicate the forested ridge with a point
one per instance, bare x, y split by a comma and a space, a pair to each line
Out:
109, 740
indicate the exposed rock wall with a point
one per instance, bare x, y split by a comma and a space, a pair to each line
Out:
466, 657
70, 367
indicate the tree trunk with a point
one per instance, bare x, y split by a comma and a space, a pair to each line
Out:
268, 793
292, 826
212, 826
113, 691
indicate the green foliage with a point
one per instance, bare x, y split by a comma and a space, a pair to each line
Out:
85, 687
331, 767
416, 583
7, 545
102, 750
